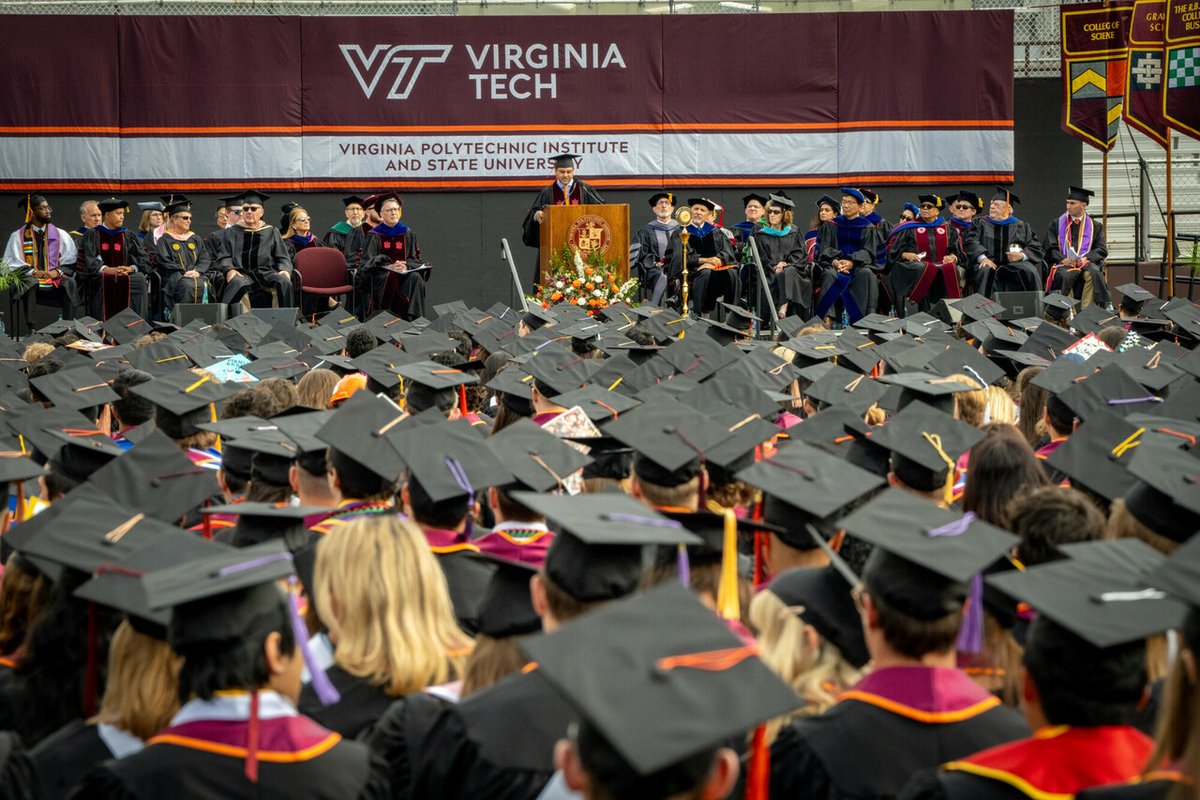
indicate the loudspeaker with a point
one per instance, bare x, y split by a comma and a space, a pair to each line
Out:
1019, 305
276, 316
209, 313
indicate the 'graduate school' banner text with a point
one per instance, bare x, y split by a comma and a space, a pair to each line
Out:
436, 103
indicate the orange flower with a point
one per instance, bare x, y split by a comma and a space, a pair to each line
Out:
556, 297
588, 271
577, 283
589, 286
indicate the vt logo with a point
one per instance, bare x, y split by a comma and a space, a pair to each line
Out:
368, 68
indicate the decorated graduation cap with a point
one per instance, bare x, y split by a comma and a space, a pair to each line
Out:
634, 670
669, 438
1102, 604
925, 555
183, 400
1166, 495
118, 584
449, 459
113, 204
598, 552
1083, 195
925, 445
1096, 456
75, 388
357, 433
823, 597
538, 460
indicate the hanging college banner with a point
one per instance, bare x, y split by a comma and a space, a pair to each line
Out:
1181, 99
454, 103
1144, 81
1095, 40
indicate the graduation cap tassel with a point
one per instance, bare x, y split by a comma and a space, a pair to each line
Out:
727, 589
758, 781
970, 636
460, 477
462, 400
252, 739
684, 566
28, 209
320, 681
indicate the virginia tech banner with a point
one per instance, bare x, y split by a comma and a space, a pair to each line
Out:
438, 103
1095, 45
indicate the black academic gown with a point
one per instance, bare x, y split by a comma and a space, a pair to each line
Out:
792, 285
176, 257
705, 286
498, 744
401, 293
993, 240
360, 703
531, 230
1151, 788
110, 294
18, 775
927, 276
879, 736
1070, 282
263, 260
64, 757
337, 235
654, 254
860, 242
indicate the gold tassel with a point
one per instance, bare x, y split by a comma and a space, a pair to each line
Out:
727, 589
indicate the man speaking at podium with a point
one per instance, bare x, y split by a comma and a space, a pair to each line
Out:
565, 191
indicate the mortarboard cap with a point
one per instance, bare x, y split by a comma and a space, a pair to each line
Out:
597, 554
702, 201
654, 198
113, 204
823, 596
251, 328
449, 459
669, 438
840, 386
1048, 341
358, 431
924, 554
698, 357
762, 199
978, 307
560, 370
826, 200
82, 452
150, 205
435, 376
74, 388
277, 366
538, 460
156, 478
467, 578
159, 358
1179, 575
1059, 301
1076, 193
851, 192
597, 402
809, 479
1101, 604
627, 670
1111, 389
183, 400
251, 197
1166, 496
566, 159
781, 199
930, 439
1097, 455
961, 358
1134, 293
1006, 196
353, 200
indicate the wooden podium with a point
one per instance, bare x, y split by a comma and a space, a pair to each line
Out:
586, 229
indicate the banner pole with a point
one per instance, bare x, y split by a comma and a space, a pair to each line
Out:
1104, 207
1170, 227
762, 284
506, 253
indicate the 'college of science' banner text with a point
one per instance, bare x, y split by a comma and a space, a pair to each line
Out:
1095, 44
422, 103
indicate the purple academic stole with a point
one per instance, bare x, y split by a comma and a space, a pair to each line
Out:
1086, 231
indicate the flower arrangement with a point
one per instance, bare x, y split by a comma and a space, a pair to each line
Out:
589, 283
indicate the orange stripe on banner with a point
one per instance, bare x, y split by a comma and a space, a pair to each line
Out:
468, 185
449, 129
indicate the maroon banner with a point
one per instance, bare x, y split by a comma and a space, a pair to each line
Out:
1144, 81
1095, 42
451, 103
1181, 98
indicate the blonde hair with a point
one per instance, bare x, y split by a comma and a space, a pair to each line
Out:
818, 676
875, 415
969, 406
1000, 406
315, 389
291, 221
36, 352
491, 660
384, 600
142, 691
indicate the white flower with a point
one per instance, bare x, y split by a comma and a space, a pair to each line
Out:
558, 284
598, 293
582, 301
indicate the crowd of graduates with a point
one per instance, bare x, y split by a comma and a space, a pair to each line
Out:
494, 553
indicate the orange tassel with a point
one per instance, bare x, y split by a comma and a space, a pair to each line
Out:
758, 781
462, 399
252, 739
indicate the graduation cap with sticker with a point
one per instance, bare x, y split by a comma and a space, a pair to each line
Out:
538, 460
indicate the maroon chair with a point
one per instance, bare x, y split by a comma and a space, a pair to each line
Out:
323, 273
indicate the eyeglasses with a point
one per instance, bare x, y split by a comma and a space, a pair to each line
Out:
389, 209
928, 205
303, 219
962, 207
774, 210
251, 209
183, 216
236, 211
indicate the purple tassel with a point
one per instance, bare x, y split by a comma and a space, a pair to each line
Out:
459, 473
320, 681
684, 566
970, 637
956, 528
